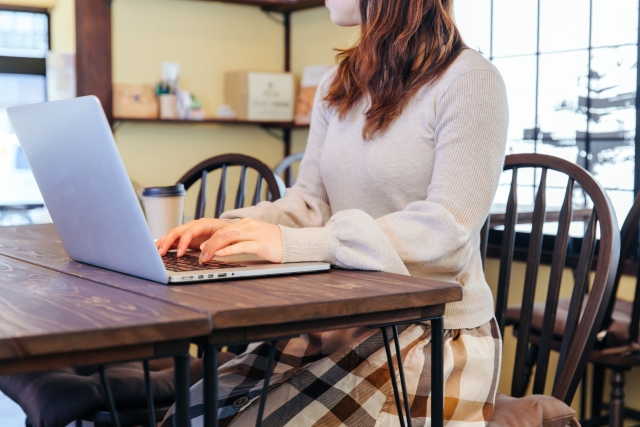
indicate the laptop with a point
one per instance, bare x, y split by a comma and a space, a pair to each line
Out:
73, 156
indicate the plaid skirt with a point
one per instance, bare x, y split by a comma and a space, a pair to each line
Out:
316, 384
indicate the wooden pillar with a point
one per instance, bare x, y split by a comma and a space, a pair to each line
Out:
93, 51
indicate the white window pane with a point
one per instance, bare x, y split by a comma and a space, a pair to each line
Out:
23, 34
562, 84
613, 93
614, 22
564, 25
17, 185
612, 163
515, 24
473, 18
519, 75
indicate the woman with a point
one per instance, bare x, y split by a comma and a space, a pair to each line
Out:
404, 156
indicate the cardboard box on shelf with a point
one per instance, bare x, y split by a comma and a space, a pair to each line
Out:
311, 78
260, 96
132, 101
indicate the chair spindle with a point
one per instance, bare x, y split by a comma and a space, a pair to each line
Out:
258, 192
553, 293
580, 287
202, 196
241, 188
508, 243
484, 240
519, 383
222, 192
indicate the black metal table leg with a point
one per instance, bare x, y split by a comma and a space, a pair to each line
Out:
210, 384
392, 374
150, 404
110, 402
181, 415
405, 396
437, 372
265, 385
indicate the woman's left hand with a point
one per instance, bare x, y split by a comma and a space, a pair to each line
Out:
245, 237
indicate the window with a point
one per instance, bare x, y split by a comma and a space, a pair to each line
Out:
570, 67
24, 43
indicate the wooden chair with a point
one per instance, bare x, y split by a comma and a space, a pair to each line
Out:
617, 347
224, 162
285, 166
580, 332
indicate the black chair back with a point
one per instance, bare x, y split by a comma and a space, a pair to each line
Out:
223, 162
581, 329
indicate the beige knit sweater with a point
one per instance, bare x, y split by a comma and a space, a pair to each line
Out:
412, 200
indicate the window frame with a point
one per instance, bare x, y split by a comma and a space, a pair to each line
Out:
26, 65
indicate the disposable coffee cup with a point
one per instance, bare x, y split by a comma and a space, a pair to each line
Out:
164, 208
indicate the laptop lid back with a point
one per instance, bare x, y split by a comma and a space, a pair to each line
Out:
74, 159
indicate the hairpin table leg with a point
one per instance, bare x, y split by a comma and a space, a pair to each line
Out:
110, 402
437, 374
210, 383
181, 415
150, 404
265, 385
407, 407
392, 374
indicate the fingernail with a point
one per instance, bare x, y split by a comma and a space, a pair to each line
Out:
220, 252
203, 255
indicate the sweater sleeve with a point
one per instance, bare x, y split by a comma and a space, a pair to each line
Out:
306, 203
436, 235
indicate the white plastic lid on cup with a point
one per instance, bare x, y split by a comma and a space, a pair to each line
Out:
164, 208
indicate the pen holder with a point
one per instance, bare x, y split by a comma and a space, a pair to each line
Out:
168, 107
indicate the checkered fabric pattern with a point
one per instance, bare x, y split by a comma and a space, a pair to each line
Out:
315, 384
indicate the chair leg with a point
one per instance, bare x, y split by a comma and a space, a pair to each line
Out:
616, 404
597, 385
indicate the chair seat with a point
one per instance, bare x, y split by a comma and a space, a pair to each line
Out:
57, 398
617, 333
532, 411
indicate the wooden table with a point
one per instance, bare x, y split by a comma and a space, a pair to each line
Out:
269, 308
51, 320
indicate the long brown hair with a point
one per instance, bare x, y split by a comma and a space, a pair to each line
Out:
403, 45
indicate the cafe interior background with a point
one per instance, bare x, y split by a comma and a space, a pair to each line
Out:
554, 55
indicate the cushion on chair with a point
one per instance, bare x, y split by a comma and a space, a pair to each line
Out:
57, 398
617, 334
53, 398
532, 411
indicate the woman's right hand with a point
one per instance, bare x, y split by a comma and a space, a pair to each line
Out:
190, 235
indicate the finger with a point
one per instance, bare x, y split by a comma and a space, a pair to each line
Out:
166, 242
225, 237
251, 247
218, 242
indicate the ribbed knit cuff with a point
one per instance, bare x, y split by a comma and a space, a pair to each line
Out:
308, 244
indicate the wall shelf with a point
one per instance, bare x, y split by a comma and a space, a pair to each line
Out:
277, 125
279, 5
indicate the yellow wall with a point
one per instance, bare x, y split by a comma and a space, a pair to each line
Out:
207, 39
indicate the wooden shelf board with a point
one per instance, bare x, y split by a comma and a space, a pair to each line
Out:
279, 5
282, 125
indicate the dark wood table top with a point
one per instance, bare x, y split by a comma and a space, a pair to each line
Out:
61, 320
251, 309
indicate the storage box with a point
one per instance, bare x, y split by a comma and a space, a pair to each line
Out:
311, 78
134, 102
260, 96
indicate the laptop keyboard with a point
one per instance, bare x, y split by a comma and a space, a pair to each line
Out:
190, 263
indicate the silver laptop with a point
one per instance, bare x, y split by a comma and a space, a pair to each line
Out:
74, 159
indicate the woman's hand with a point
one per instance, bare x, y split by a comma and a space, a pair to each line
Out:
245, 237
190, 235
